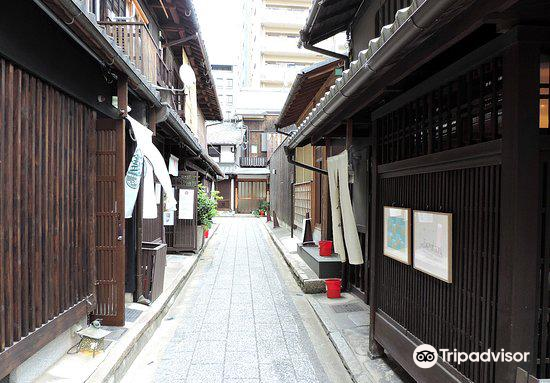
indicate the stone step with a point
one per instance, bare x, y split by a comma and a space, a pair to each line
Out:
324, 267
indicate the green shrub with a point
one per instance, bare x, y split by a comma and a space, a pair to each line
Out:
207, 207
264, 205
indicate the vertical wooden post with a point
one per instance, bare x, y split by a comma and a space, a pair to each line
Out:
122, 95
349, 132
152, 117
375, 349
518, 265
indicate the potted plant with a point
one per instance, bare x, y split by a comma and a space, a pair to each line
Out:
263, 208
207, 209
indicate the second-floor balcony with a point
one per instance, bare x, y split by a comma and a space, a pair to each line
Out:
159, 67
136, 41
253, 162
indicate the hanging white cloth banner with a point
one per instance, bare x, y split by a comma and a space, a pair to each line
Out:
144, 139
344, 229
149, 196
132, 182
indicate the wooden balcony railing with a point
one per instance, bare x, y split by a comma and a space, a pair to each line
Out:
253, 162
138, 43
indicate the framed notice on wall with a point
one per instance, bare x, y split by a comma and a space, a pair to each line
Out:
186, 204
433, 244
397, 234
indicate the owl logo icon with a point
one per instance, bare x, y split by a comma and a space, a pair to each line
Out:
425, 356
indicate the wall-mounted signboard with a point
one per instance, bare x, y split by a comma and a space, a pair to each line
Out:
397, 234
433, 244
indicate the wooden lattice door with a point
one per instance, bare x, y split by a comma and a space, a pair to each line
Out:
110, 251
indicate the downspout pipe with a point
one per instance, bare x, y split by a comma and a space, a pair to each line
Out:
290, 157
278, 130
424, 16
326, 52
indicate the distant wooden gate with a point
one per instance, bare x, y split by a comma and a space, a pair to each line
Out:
110, 251
182, 236
250, 193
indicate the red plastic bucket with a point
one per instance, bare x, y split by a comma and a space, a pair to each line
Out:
334, 286
325, 248
206, 234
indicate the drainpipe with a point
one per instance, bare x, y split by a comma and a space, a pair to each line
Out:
290, 157
326, 52
426, 14
277, 129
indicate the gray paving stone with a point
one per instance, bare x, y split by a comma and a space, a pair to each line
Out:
202, 373
242, 341
280, 370
241, 370
209, 352
240, 324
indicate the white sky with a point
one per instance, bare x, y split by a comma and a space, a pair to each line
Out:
220, 23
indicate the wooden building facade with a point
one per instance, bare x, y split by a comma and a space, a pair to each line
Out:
66, 250
447, 112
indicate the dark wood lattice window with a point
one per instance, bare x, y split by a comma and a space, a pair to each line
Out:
462, 112
544, 91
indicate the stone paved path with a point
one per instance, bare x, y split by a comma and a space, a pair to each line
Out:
238, 322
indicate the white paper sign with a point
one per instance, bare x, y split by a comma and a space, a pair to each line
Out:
158, 193
173, 165
433, 244
186, 204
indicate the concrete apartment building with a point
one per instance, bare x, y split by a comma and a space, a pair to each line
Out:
225, 78
271, 31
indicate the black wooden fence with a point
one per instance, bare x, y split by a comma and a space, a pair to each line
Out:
280, 185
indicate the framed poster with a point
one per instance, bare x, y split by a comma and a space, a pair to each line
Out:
186, 204
168, 218
397, 234
433, 244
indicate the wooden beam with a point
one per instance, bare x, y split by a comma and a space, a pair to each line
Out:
518, 272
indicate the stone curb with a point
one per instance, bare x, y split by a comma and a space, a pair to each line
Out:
307, 284
345, 352
121, 357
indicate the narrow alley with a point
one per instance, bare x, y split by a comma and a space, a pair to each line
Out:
240, 318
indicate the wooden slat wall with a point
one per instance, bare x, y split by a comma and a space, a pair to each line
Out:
47, 200
458, 315
463, 112
153, 229
280, 185
543, 346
